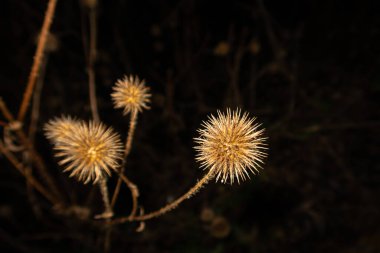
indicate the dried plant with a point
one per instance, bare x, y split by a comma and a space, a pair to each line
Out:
89, 150
58, 129
131, 95
230, 145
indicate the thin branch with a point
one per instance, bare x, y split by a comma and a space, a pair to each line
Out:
4, 110
37, 59
127, 150
33, 153
32, 181
36, 102
134, 192
108, 213
90, 67
169, 206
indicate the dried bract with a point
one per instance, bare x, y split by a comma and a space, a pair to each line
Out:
231, 145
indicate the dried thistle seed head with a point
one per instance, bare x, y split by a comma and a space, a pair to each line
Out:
59, 128
231, 146
90, 151
131, 95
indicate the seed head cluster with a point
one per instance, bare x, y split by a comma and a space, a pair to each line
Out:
131, 95
89, 150
231, 145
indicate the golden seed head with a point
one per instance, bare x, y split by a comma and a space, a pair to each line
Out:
89, 150
59, 128
231, 145
131, 95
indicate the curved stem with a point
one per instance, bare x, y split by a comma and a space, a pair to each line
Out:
37, 59
134, 192
127, 150
169, 206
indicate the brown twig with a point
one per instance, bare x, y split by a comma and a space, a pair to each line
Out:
127, 150
36, 102
169, 206
108, 213
134, 192
31, 193
234, 69
91, 61
272, 38
33, 153
37, 59
33, 182
4, 110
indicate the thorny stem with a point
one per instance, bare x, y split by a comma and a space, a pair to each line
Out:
127, 150
169, 206
32, 181
37, 59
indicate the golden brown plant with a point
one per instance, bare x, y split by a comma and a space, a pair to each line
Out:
230, 145
37, 59
89, 150
131, 95
58, 129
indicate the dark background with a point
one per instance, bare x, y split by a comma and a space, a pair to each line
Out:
309, 70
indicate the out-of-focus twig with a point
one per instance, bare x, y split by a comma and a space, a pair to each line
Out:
32, 152
37, 59
128, 145
29, 177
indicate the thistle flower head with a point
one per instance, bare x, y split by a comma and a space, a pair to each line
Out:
231, 146
131, 95
88, 150
59, 128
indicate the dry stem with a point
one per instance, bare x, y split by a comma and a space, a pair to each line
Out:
127, 150
37, 59
134, 192
169, 206
36, 102
32, 181
33, 153
91, 61
108, 213
4, 110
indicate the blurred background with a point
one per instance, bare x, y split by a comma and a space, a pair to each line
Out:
308, 70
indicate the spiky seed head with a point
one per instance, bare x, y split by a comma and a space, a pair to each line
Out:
59, 128
89, 151
131, 95
231, 145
